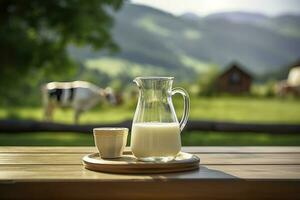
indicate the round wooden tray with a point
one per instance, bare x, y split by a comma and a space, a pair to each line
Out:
128, 164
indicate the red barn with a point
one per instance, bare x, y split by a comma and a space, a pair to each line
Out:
234, 80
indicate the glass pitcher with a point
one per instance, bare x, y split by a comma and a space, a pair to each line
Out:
155, 129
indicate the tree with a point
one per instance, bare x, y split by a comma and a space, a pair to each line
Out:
35, 35
207, 81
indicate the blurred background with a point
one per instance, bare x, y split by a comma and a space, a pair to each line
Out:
237, 59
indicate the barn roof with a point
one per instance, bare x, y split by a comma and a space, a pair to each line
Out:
238, 66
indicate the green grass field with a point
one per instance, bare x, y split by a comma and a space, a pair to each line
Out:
238, 109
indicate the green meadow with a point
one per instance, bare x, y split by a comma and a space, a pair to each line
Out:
236, 109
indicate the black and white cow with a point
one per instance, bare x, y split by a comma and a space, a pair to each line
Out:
79, 95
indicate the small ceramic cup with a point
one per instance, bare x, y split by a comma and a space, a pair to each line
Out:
110, 141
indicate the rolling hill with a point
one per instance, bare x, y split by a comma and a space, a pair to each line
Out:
153, 42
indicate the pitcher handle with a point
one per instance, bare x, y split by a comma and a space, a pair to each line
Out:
186, 105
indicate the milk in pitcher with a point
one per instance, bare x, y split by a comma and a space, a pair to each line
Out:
150, 139
155, 133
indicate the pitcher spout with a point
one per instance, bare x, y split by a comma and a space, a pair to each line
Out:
137, 81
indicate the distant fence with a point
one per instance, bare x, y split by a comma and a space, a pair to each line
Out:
21, 126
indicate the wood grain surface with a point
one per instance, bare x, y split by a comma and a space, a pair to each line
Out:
224, 173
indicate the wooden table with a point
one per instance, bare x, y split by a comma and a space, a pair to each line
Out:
225, 173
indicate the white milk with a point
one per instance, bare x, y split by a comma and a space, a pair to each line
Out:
155, 139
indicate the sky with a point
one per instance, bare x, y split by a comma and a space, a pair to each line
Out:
205, 7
